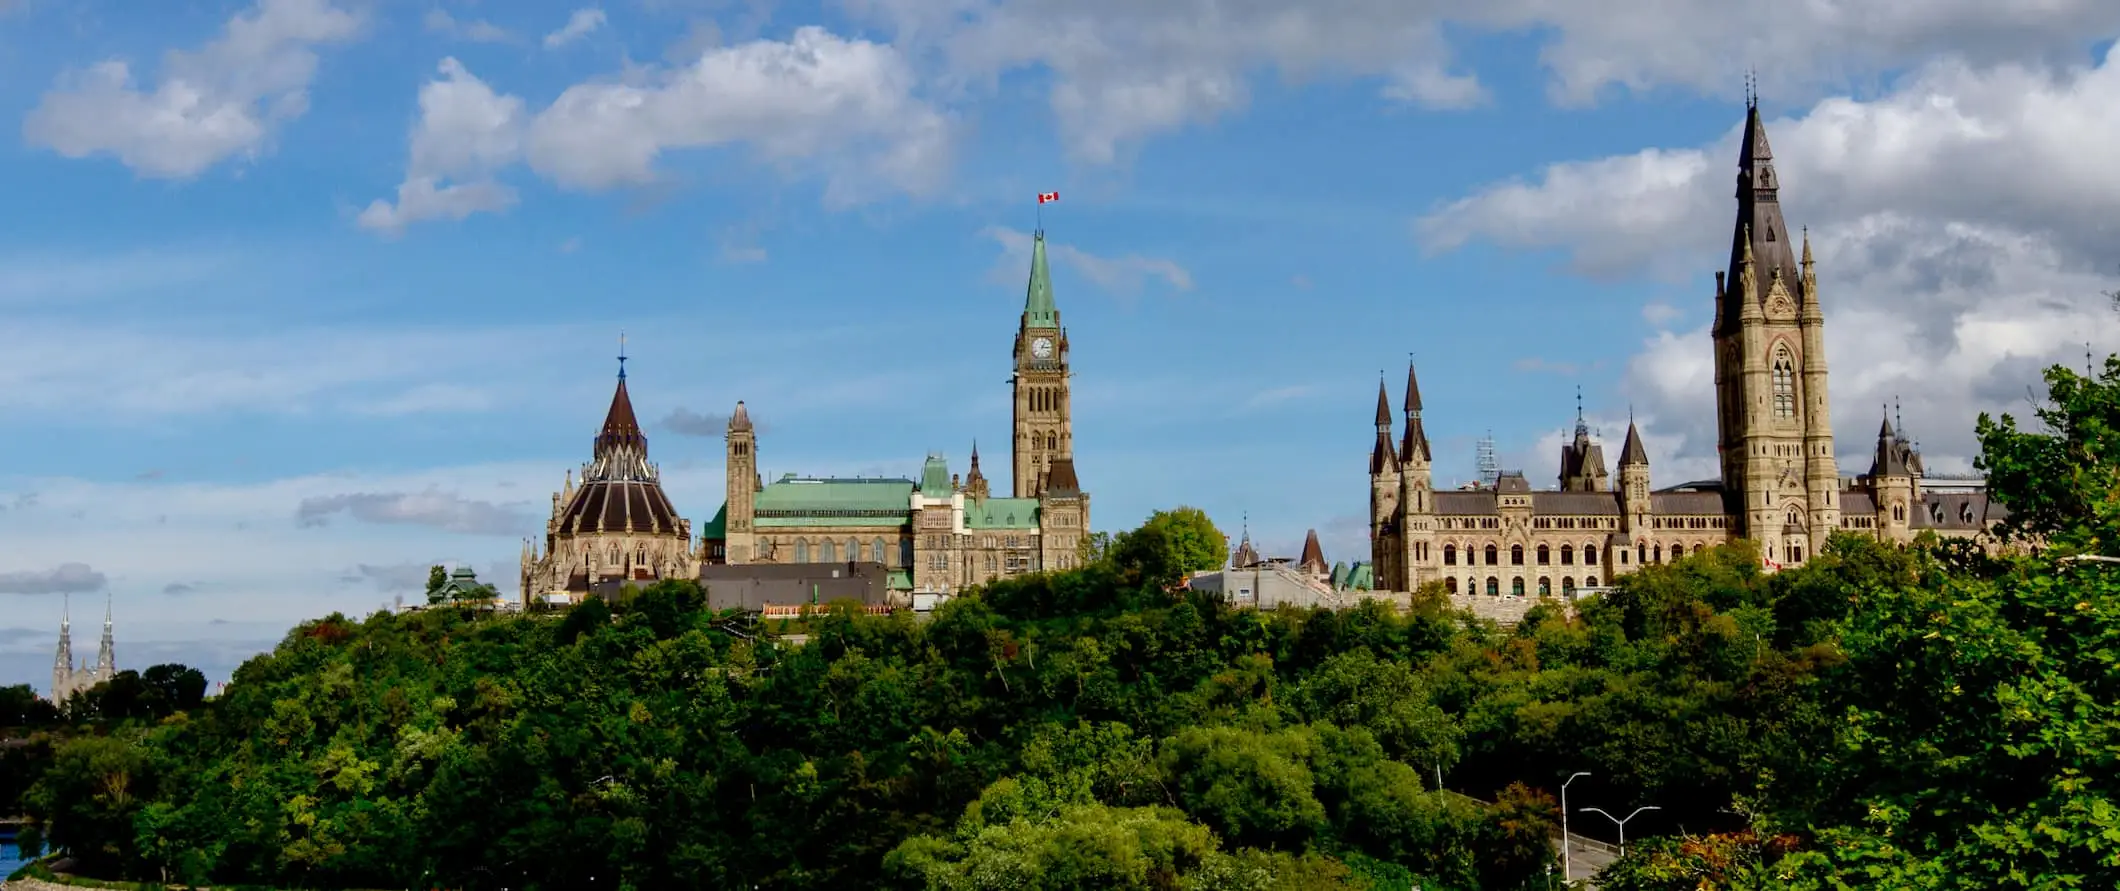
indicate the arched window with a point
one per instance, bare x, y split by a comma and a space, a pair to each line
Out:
1589, 555
1567, 555
613, 555
1516, 586
1641, 554
640, 555
1516, 555
1493, 556
858, 552
1784, 385
1590, 582
1450, 555
1659, 553
1545, 587
1568, 586
802, 551
826, 553
1494, 586
1450, 585
881, 555
1545, 555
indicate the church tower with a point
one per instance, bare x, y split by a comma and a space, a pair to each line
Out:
1384, 495
106, 655
1044, 427
1775, 431
63, 662
742, 487
1416, 508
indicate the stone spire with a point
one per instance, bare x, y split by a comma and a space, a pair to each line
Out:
106, 657
1038, 309
621, 448
1759, 234
1383, 458
1313, 559
1632, 453
1415, 446
63, 660
1246, 555
975, 483
740, 419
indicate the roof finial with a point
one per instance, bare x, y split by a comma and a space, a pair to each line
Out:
621, 355
1751, 88
1578, 404
2087, 370
1897, 420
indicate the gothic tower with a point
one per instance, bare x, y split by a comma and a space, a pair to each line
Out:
1416, 507
106, 657
1044, 428
1383, 495
1891, 482
1775, 432
742, 487
63, 662
1635, 502
1583, 461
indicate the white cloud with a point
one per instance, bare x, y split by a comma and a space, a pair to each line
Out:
1124, 275
123, 372
66, 578
578, 25
1123, 70
466, 132
432, 507
221, 101
847, 106
476, 30
817, 103
1962, 226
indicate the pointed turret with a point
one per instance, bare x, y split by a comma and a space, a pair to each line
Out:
1313, 559
1383, 459
1632, 454
1246, 556
1893, 452
1415, 446
740, 419
106, 656
1038, 309
621, 450
63, 660
975, 483
1760, 235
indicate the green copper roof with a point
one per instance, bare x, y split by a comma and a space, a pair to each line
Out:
793, 501
1001, 513
1361, 578
935, 478
717, 527
898, 580
1038, 311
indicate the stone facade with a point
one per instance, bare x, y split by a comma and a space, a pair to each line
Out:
1779, 485
943, 532
69, 678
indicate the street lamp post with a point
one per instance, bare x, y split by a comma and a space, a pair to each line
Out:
1567, 872
1623, 823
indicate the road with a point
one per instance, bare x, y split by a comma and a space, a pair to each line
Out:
1587, 858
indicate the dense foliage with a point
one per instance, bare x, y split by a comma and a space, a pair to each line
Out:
1925, 717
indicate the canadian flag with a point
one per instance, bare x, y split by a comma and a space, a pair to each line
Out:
1044, 197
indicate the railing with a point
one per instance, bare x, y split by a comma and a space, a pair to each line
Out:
796, 611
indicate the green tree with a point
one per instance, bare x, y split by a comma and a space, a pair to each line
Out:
1171, 545
2061, 483
21, 707
437, 579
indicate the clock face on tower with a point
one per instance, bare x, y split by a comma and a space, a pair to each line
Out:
1042, 348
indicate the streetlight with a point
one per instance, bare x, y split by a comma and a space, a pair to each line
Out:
1567, 872
1623, 823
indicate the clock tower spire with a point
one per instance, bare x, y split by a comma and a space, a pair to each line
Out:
1044, 426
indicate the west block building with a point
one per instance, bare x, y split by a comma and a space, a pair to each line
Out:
1779, 485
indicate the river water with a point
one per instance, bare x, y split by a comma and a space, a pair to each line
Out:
10, 859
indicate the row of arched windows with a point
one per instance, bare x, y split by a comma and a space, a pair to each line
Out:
829, 551
1516, 585
1045, 399
1544, 555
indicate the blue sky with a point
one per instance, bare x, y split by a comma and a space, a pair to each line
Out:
311, 294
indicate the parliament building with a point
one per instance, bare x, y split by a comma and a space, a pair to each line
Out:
939, 533
1779, 487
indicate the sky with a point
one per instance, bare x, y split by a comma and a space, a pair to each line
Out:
304, 296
